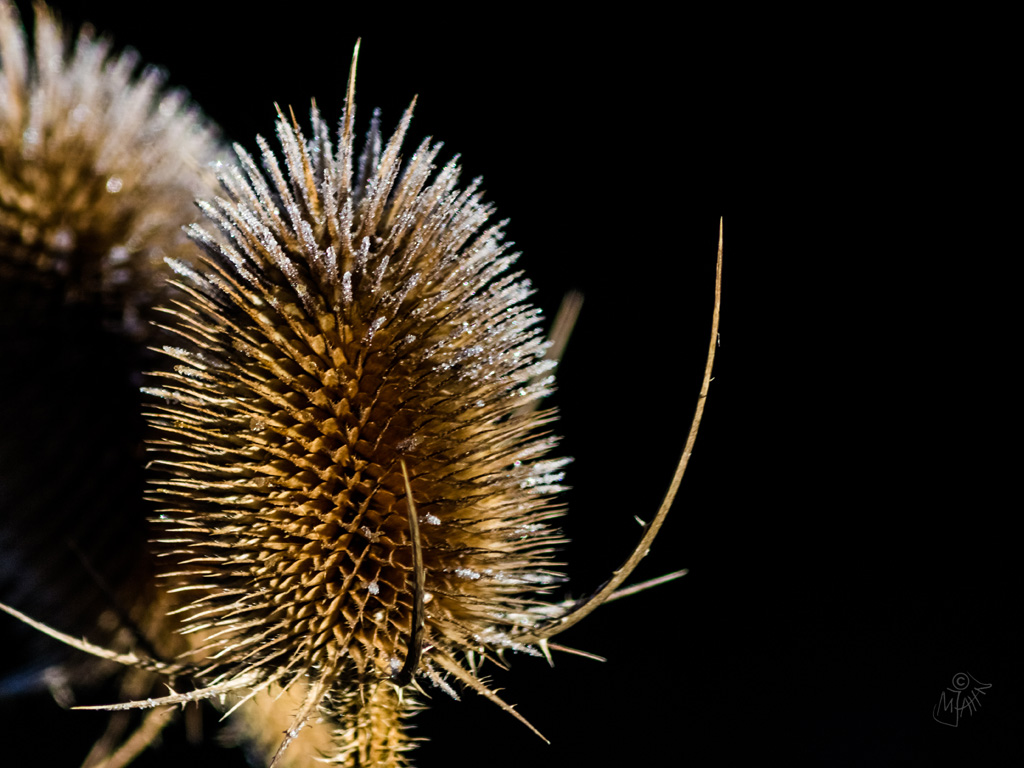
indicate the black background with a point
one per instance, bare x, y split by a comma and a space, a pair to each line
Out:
848, 547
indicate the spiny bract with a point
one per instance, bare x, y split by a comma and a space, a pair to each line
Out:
355, 324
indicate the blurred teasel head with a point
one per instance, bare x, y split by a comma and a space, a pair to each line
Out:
99, 169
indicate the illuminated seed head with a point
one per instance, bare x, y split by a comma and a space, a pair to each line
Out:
353, 315
99, 168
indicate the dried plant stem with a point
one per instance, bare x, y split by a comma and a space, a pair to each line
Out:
587, 605
152, 724
127, 659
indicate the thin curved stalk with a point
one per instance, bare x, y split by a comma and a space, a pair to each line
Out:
587, 605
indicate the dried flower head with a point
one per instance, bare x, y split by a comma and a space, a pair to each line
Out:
358, 494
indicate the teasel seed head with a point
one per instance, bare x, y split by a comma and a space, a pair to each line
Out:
99, 168
355, 333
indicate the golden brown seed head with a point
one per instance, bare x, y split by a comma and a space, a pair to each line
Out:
352, 316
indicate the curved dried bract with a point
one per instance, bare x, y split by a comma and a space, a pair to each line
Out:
353, 315
580, 609
99, 167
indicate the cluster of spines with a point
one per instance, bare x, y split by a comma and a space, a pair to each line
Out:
349, 331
